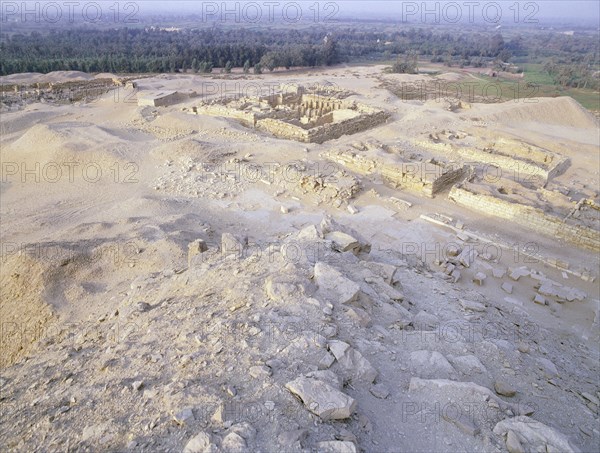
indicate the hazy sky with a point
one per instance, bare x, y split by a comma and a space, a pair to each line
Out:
587, 11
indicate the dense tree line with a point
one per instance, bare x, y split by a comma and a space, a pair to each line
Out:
260, 49
137, 50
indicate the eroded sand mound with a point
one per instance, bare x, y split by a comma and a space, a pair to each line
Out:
22, 120
51, 77
562, 111
67, 142
190, 148
24, 312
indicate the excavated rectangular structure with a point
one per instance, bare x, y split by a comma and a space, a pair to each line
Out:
309, 118
425, 178
567, 229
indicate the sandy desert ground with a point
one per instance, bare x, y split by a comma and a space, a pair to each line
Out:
178, 282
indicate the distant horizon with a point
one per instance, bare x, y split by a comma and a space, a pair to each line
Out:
483, 12
511, 11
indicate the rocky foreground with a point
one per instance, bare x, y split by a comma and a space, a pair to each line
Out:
311, 342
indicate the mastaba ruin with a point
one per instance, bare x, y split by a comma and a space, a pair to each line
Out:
314, 117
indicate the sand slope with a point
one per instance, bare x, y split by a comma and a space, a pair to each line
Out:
563, 111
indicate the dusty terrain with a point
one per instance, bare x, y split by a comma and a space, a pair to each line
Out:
179, 282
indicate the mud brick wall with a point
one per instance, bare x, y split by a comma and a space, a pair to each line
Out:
323, 133
247, 118
282, 129
520, 170
529, 217
403, 175
347, 127
449, 178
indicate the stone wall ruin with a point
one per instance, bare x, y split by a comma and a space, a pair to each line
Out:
308, 118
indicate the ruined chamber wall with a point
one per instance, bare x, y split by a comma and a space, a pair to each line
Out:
422, 178
523, 169
321, 134
529, 217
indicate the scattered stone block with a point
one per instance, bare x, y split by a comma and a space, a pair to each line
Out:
338, 348
534, 435
519, 272
507, 287
450, 268
343, 242
336, 446
310, 233
479, 278
430, 364
513, 444
196, 248
498, 273
355, 366
184, 416
539, 299
200, 443
326, 361
472, 305
334, 285
233, 442
468, 364
322, 399
383, 270
360, 316
504, 389
260, 371
455, 275
467, 256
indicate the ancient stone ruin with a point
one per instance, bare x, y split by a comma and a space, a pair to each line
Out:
305, 117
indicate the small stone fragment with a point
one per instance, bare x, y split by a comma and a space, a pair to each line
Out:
201, 443
343, 242
513, 444
504, 389
472, 305
479, 278
260, 371
184, 416
233, 442
379, 391
326, 361
195, 248
322, 399
336, 446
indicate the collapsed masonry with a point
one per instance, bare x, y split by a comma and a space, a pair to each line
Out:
506, 179
531, 165
309, 118
573, 228
427, 178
